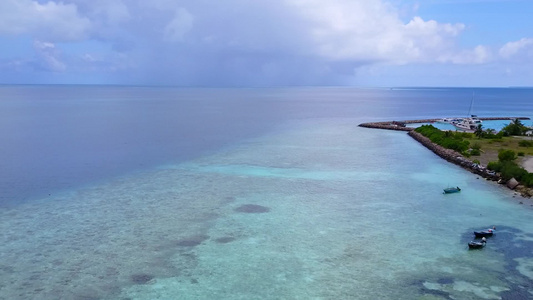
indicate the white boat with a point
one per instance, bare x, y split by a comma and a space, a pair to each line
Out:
448, 120
468, 124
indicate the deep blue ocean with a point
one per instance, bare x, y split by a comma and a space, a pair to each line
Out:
112, 192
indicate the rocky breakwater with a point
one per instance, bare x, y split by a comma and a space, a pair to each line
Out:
396, 125
454, 157
387, 125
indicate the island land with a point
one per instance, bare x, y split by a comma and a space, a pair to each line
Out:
475, 164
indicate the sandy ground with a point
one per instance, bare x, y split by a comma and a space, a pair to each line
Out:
527, 163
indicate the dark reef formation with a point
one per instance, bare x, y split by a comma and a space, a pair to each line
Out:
252, 209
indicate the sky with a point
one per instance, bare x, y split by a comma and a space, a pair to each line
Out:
264, 43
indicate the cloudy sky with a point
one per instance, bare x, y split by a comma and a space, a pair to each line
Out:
267, 42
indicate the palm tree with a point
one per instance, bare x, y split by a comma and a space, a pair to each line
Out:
479, 131
517, 123
514, 128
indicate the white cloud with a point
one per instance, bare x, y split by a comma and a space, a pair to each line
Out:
162, 4
50, 21
479, 55
372, 30
523, 46
48, 57
240, 41
114, 12
90, 58
179, 25
336, 30
109, 19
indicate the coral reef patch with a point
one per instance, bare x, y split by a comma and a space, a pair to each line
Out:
252, 209
141, 278
192, 241
225, 240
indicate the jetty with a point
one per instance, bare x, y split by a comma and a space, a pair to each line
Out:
402, 125
448, 154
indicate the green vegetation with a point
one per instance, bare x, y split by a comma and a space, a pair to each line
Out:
516, 144
476, 149
515, 128
505, 143
510, 138
508, 168
506, 155
446, 139
488, 133
525, 143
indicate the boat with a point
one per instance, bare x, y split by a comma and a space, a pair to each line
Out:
468, 124
477, 245
448, 120
451, 190
471, 123
484, 233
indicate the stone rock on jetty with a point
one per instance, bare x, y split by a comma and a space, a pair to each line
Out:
453, 157
512, 183
394, 125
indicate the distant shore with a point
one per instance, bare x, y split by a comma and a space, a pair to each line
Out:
400, 125
451, 155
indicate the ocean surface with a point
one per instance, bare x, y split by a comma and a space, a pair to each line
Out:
111, 192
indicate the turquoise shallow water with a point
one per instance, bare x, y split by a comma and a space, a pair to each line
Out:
347, 215
316, 208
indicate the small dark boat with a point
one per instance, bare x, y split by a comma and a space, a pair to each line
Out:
452, 190
484, 233
476, 245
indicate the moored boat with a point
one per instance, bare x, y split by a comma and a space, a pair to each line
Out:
477, 245
468, 124
448, 120
451, 190
484, 233
480, 234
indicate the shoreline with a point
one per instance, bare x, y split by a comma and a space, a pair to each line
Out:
451, 155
